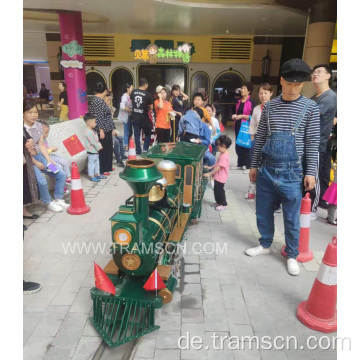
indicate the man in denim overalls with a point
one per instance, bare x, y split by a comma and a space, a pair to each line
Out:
289, 131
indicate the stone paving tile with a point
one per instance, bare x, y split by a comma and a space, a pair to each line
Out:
311, 266
30, 321
167, 339
64, 298
273, 355
36, 347
192, 289
170, 322
145, 348
70, 330
60, 353
47, 327
192, 315
166, 355
86, 348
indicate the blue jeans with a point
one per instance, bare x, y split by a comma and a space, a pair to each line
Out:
60, 178
119, 149
137, 132
272, 184
214, 148
128, 131
209, 158
93, 165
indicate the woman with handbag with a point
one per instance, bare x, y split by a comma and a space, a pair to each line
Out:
125, 115
244, 109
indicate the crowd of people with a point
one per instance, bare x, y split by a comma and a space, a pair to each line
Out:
284, 144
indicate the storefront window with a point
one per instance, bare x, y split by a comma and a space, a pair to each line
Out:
165, 75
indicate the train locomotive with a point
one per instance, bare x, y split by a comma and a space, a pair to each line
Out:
148, 233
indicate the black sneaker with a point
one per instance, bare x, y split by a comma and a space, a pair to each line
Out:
120, 164
125, 158
25, 227
30, 287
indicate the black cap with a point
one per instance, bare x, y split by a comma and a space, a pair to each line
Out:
296, 71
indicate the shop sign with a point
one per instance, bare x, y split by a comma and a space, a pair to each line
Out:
152, 54
97, 63
73, 64
73, 48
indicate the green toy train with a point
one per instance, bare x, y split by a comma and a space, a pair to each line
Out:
148, 233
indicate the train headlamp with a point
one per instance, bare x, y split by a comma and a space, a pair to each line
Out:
122, 237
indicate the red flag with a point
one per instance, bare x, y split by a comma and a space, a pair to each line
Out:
102, 281
222, 128
73, 145
154, 282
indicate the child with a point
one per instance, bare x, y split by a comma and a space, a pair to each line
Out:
265, 94
220, 172
59, 161
330, 195
92, 146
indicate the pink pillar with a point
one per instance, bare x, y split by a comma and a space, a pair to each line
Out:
73, 62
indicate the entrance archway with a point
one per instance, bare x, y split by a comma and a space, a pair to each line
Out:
92, 78
118, 79
224, 92
200, 82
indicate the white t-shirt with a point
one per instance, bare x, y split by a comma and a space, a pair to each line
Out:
216, 123
255, 119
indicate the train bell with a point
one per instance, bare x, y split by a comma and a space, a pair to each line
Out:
157, 192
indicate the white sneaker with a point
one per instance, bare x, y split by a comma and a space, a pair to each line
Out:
54, 207
246, 171
236, 168
259, 250
313, 216
293, 267
62, 204
244, 167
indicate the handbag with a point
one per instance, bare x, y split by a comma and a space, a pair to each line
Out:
244, 138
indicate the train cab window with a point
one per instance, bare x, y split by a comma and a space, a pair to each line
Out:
188, 175
178, 171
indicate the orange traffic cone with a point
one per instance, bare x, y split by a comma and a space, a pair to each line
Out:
319, 312
305, 254
132, 153
78, 205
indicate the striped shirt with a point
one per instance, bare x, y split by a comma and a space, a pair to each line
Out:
283, 117
102, 114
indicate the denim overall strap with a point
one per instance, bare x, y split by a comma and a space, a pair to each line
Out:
268, 117
298, 122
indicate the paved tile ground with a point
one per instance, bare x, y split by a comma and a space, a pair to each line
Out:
220, 294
